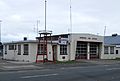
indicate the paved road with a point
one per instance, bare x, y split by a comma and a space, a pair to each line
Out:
89, 73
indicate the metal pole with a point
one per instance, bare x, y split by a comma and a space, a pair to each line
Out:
71, 15
105, 31
45, 14
71, 30
38, 21
0, 30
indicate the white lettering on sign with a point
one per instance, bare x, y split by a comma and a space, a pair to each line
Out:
63, 41
117, 46
88, 38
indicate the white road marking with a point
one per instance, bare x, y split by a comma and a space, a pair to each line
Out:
34, 76
112, 68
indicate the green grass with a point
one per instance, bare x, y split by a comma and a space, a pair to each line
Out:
117, 59
65, 62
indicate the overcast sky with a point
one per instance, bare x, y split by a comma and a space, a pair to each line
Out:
19, 17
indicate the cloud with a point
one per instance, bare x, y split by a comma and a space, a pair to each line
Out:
20, 16
3, 5
15, 18
83, 18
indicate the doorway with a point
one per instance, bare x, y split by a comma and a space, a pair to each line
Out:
54, 48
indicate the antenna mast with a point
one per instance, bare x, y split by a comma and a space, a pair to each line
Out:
71, 15
38, 22
45, 14
0, 30
105, 31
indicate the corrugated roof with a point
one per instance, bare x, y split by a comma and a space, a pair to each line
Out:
114, 40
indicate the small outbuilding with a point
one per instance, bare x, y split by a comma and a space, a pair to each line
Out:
111, 47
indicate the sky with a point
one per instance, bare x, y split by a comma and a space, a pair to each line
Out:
19, 17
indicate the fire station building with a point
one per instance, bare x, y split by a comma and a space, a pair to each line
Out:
63, 47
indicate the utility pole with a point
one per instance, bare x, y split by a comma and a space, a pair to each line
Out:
45, 14
105, 31
71, 15
1, 47
0, 30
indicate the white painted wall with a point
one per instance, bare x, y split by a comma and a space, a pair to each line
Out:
13, 54
76, 37
71, 49
50, 52
60, 57
112, 56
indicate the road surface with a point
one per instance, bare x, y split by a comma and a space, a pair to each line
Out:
87, 73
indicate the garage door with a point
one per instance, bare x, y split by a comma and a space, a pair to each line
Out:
81, 50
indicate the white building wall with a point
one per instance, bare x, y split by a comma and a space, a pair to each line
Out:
89, 38
11, 54
33, 52
60, 57
50, 52
111, 56
71, 49
23, 57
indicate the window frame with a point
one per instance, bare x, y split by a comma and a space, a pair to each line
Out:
41, 49
25, 47
5, 49
106, 51
112, 50
11, 47
19, 49
63, 50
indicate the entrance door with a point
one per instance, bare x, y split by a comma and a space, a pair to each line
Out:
54, 47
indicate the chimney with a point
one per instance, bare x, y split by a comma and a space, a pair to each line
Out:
114, 35
25, 38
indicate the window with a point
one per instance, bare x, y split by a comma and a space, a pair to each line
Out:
106, 50
19, 49
42, 49
117, 52
11, 47
63, 49
26, 49
111, 50
5, 49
